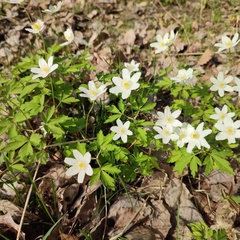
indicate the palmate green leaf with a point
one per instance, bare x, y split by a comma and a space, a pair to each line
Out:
176, 155
13, 131
107, 180
182, 163
220, 234
110, 169
49, 113
194, 163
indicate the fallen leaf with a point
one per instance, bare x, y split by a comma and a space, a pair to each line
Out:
206, 57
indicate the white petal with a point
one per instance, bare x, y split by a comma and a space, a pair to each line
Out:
81, 176
70, 161
78, 155
72, 171
89, 170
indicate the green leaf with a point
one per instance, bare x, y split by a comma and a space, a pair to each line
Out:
113, 118
27, 89
100, 138
81, 147
220, 234
121, 105
59, 119
195, 162
208, 161
107, 180
165, 83
112, 109
70, 100
182, 163
20, 117
148, 107
17, 143
110, 169
35, 139
221, 163
50, 113
19, 167
25, 150
96, 176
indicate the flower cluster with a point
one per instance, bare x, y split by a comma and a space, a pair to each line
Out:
228, 128
169, 128
163, 42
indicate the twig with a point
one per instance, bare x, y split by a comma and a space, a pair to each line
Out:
27, 201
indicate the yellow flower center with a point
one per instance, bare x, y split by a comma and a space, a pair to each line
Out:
221, 84
229, 43
93, 92
126, 84
162, 44
166, 133
195, 135
123, 131
36, 26
169, 119
81, 165
45, 69
182, 77
230, 131
222, 116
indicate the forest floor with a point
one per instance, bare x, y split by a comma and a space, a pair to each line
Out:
117, 31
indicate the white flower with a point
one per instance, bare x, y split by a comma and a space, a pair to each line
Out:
53, 8
68, 34
132, 66
220, 84
168, 118
121, 130
227, 42
80, 165
182, 135
229, 130
184, 76
92, 92
165, 133
45, 68
164, 42
222, 114
14, 1
237, 87
171, 38
196, 137
125, 84
37, 27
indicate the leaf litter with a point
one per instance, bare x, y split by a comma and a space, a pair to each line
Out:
159, 205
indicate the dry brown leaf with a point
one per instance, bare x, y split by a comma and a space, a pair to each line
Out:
67, 237
7, 223
206, 57
129, 37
